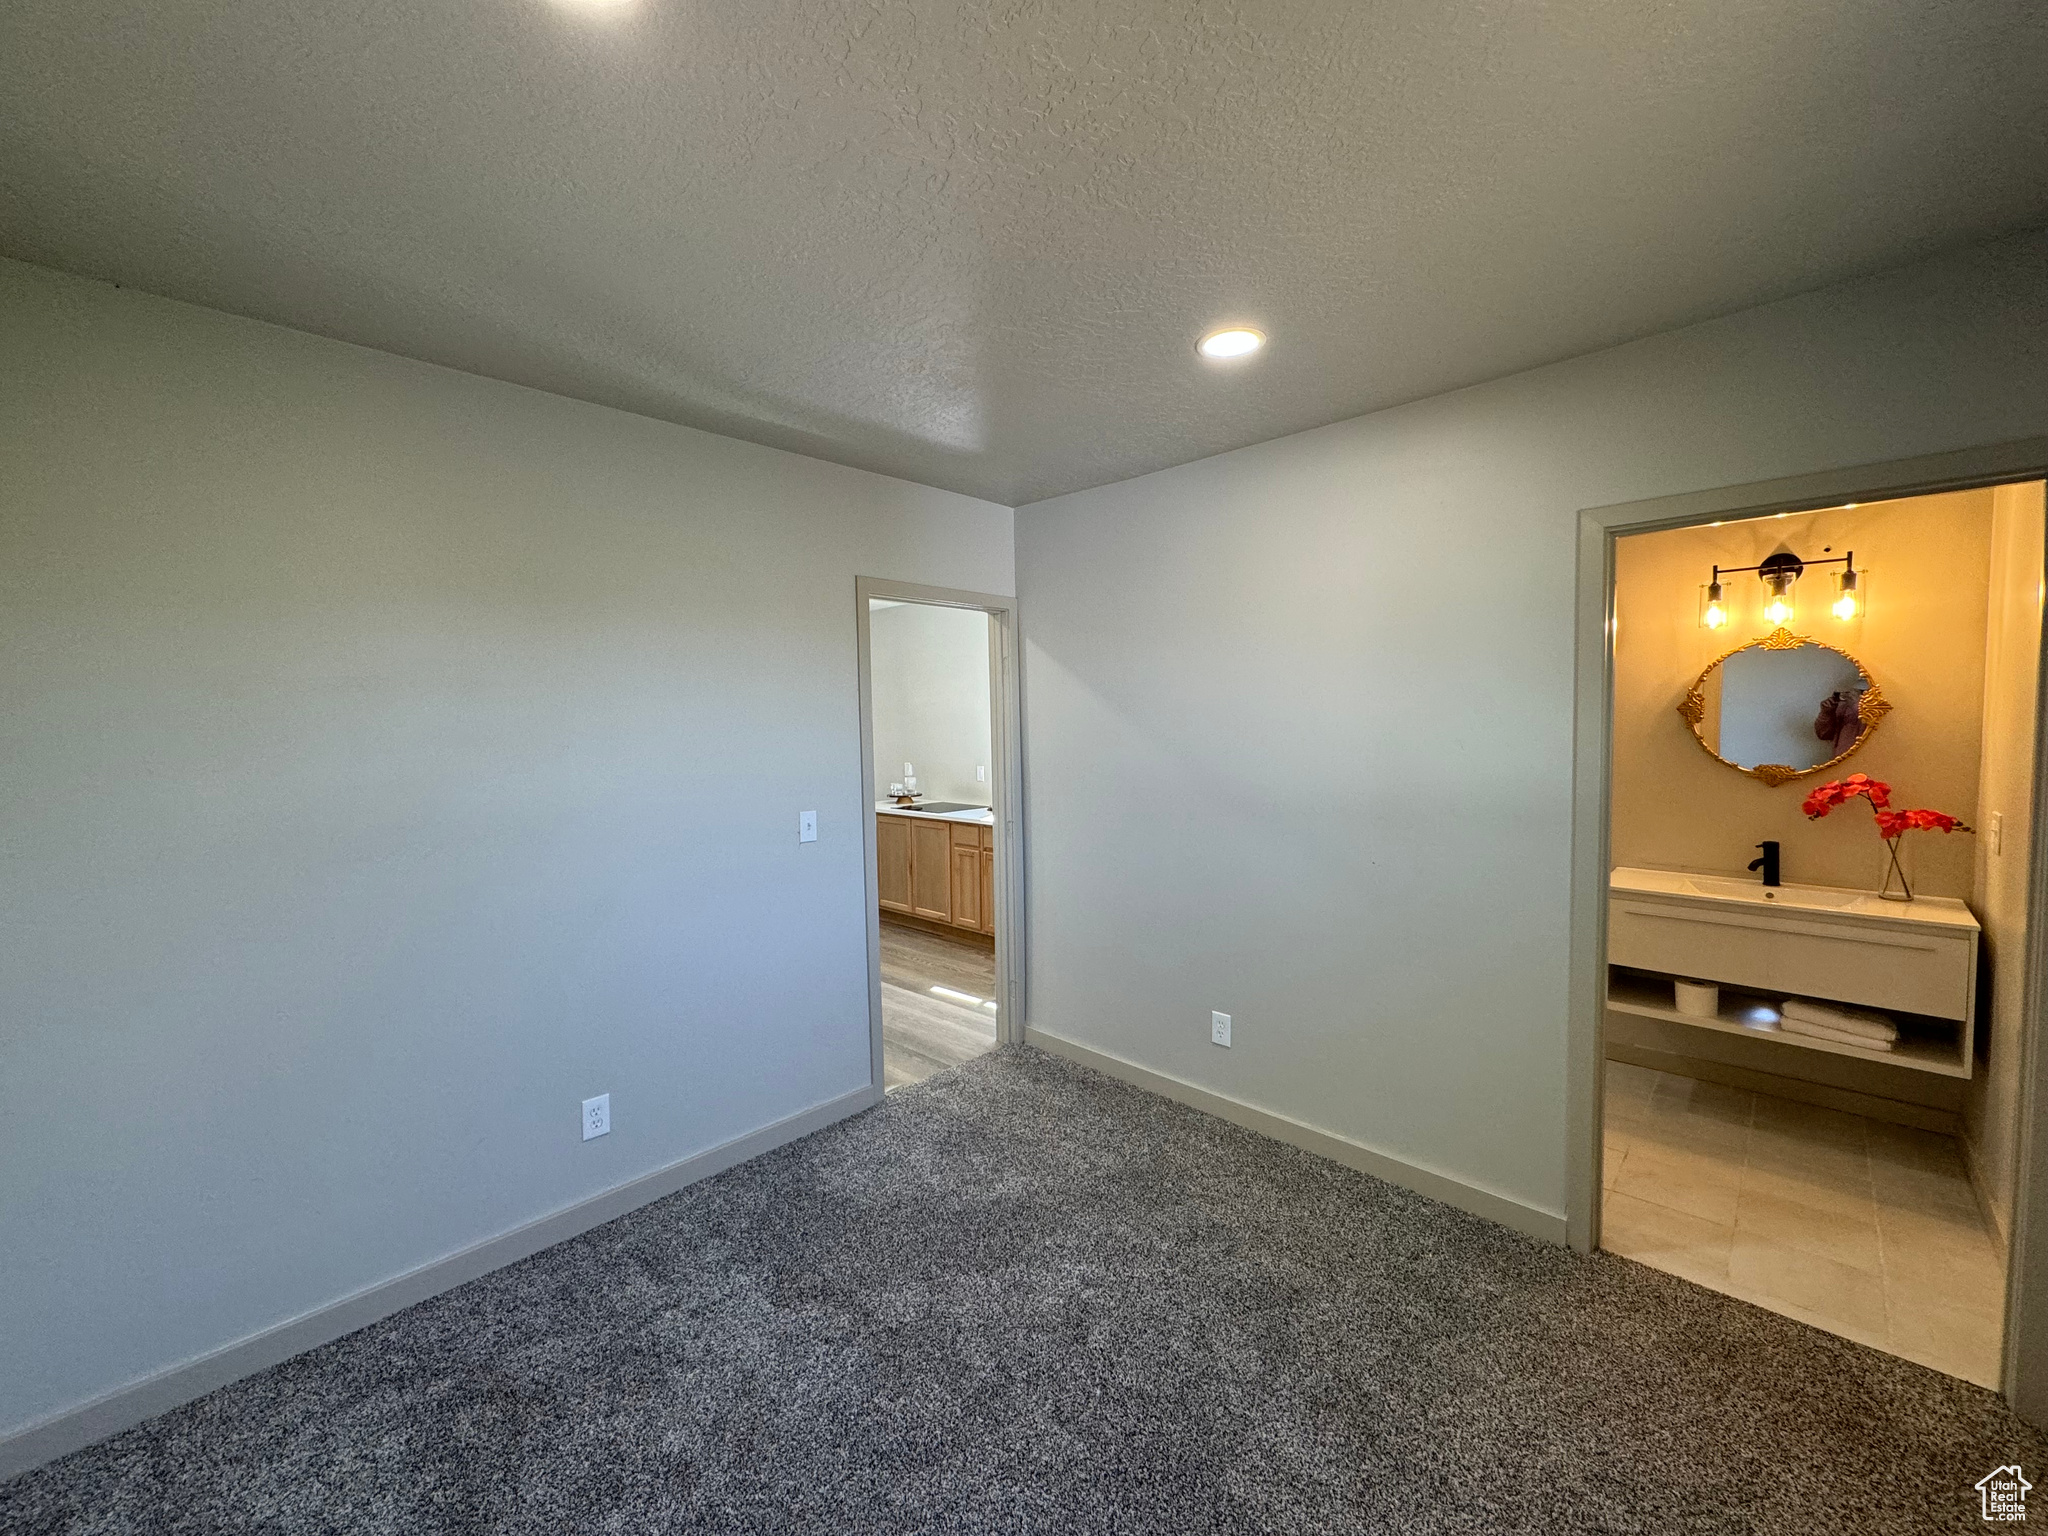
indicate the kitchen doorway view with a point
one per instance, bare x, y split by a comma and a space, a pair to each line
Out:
931, 682
1823, 768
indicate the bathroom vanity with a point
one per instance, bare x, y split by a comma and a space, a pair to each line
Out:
1916, 961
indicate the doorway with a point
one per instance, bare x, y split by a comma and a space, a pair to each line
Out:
940, 768
1802, 1094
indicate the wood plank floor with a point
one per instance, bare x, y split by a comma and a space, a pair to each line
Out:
922, 1031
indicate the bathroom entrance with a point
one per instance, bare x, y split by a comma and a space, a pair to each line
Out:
1818, 904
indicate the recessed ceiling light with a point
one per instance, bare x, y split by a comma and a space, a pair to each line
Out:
1235, 342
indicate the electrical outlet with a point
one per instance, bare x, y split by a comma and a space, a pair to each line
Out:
981, 775
597, 1116
1219, 1029
807, 826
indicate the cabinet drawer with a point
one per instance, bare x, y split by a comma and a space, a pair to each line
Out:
1796, 957
1655, 938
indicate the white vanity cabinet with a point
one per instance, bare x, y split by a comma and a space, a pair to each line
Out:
1914, 960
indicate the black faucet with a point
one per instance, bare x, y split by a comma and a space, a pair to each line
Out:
1768, 863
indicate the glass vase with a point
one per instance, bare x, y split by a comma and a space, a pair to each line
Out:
1895, 886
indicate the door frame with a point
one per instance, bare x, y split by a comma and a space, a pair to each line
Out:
1006, 796
2025, 1372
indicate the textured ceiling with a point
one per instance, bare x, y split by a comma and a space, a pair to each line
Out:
973, 244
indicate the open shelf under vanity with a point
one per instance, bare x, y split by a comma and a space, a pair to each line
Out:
1924, 1044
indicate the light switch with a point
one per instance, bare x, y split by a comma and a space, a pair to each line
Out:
1997, 833
807, 826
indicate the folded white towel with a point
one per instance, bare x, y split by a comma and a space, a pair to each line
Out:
1793, 1026
1862, 1022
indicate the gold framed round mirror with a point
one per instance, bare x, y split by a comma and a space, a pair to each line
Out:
1782, 707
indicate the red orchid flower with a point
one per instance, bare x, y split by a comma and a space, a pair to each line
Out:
1890, 823
1840, 791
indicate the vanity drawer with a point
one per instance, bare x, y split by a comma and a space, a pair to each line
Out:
1651, 937
1796, 956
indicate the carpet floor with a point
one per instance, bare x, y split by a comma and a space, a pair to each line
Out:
1023, 1297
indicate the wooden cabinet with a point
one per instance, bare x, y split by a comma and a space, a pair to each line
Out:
931, 880
892, 862
942, 871
967, 878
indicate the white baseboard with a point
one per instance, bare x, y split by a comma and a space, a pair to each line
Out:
128, 1405
1451, 1190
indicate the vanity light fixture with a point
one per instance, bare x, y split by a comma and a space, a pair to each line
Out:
1236, 342
1780, 575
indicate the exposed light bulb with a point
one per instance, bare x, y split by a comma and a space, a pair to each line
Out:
1778, 580
1848, 597
1716, 616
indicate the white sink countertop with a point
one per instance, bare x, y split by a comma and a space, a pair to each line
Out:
1735, 890
980, 816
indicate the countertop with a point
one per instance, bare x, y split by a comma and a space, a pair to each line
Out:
1811, 901
980, 818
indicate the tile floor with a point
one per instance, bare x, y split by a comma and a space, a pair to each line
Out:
1867, 1229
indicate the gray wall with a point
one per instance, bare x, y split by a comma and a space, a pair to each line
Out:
1299, 716
928, 676
392, 759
